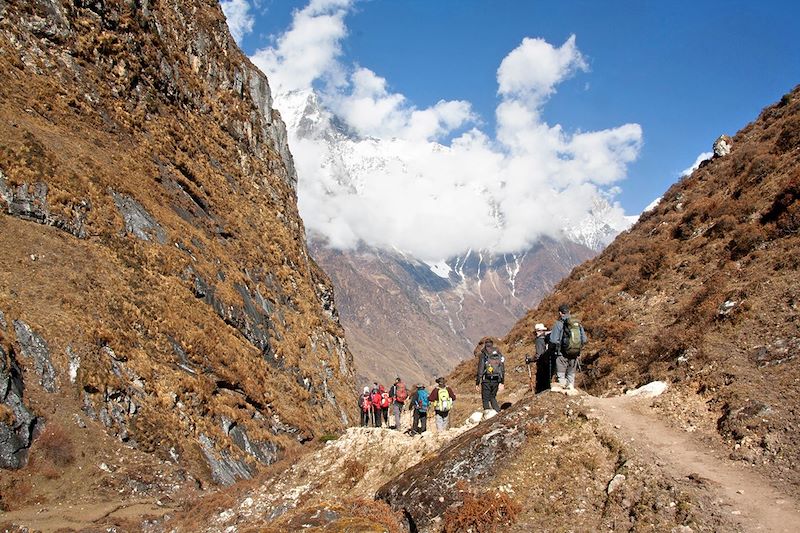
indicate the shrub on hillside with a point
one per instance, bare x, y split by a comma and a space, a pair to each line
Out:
785, 209
745, 239
482, 513
55, 445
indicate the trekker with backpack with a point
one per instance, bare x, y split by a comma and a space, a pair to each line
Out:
543, 359
398, 394
569, 338
384, 405
491, 375
442, 398
375, 396
419, 403
365, 406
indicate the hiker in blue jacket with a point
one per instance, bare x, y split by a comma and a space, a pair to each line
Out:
419, 403
567, 358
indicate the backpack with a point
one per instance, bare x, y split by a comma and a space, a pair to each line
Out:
385, 400
493, 366
422, 401
366, 403
376, 398
401, 394
571, 342
444, 402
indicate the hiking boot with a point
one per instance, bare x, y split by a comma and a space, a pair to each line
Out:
557, 387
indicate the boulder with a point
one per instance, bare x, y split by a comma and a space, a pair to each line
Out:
651, 390
723, 145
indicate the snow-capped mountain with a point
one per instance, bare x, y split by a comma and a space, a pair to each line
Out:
600, 226
414, 318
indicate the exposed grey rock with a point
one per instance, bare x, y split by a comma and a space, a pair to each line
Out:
33, 346
30, 203
252, 320
723, 145
225, 470
138, 222
74, 364
615, 483
264, 452
425, 491
16, 437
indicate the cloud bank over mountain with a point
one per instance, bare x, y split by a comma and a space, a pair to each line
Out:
444, 185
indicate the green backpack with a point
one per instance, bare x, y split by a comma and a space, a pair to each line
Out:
571, 342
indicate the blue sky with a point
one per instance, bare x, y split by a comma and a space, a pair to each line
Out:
685, 72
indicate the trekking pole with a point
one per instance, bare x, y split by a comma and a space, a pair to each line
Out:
530, 377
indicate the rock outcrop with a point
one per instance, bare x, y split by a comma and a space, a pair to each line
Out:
154, 264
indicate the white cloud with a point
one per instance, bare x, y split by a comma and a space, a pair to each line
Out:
309, 49
535, 67
240, 20
700, 158
428, 181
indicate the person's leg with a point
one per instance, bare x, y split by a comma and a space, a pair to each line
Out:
439, 421
445, 421
396, 407
494, 386
423, 418
572, 366
415, 422
485, 394
561, 370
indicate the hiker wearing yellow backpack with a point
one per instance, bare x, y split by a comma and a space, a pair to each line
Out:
442, 398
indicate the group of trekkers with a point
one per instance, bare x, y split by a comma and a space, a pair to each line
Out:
557, 352
376, 402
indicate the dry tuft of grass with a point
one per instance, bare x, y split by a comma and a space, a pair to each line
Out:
482, 513
55, 446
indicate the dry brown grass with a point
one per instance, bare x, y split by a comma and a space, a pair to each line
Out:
482, 513
55, 445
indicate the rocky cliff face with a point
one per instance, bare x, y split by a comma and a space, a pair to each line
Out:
154, 267
408, 318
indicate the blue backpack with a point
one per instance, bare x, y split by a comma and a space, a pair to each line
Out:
422, 401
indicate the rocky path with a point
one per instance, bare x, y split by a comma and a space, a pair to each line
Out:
752, 500
85, 516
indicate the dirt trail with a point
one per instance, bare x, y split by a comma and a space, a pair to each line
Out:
82, 516
755, 503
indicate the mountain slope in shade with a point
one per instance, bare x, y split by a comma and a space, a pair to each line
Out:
408, 318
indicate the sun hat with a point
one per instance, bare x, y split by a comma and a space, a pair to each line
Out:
540, 327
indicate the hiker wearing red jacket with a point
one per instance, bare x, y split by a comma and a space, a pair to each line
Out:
365, 406
375, 396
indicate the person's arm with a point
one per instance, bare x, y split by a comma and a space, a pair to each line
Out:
584, 339
451, 393
555, 335
480, 369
